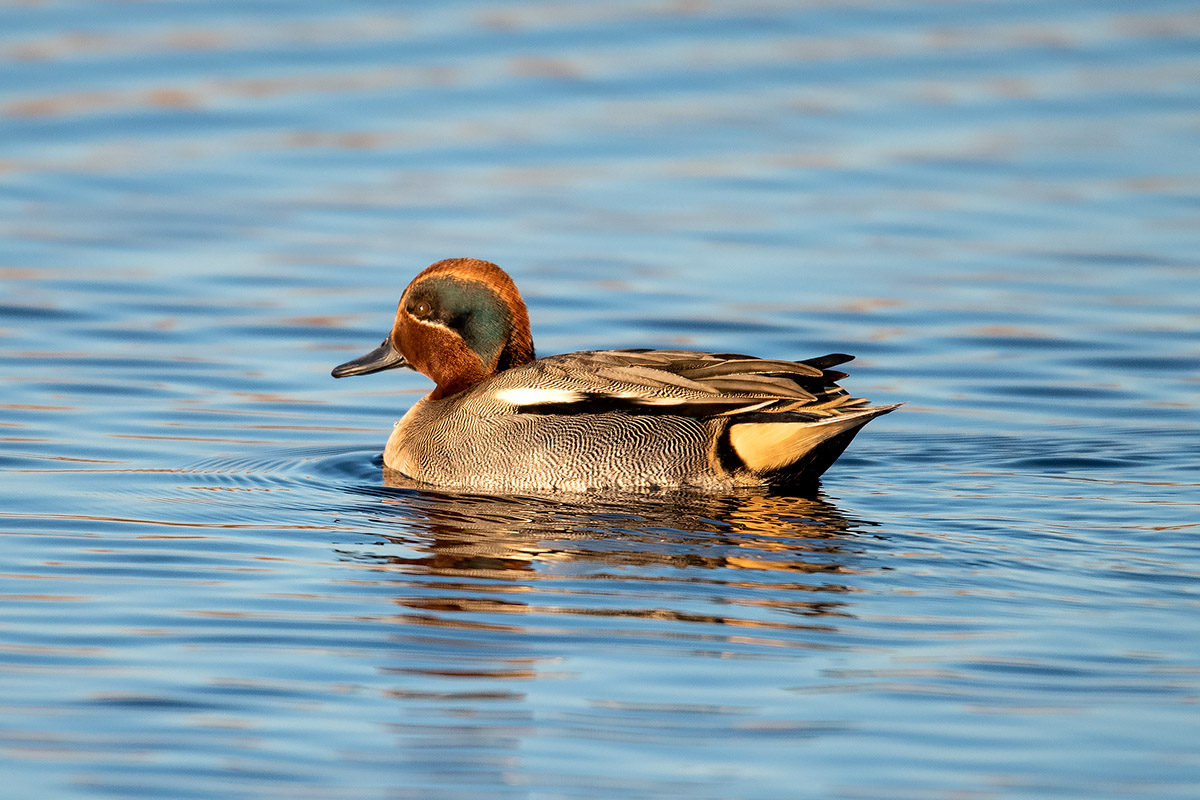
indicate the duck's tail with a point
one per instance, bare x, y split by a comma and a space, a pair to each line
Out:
786, 448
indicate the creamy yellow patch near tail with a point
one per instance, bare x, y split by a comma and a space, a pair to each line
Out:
768, 446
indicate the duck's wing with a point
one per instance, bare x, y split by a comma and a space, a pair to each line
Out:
676, 382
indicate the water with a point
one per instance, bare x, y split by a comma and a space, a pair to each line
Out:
209, 592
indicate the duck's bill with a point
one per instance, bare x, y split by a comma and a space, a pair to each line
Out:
383, 357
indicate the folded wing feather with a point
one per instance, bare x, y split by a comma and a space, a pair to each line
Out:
679, 382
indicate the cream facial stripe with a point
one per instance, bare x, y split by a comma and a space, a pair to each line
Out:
432, 323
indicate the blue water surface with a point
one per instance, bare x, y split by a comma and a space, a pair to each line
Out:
207, 590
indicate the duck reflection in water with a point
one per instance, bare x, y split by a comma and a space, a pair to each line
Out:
786, 548
583, 616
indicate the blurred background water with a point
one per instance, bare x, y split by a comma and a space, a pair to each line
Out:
206, 591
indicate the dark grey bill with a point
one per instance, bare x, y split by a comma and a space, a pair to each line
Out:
383, 357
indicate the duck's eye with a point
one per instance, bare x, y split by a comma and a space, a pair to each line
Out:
421, 309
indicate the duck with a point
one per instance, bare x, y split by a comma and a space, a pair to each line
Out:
500, 419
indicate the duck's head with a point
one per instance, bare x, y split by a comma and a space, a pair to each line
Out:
459, 322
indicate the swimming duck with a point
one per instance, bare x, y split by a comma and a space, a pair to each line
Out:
500, 419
